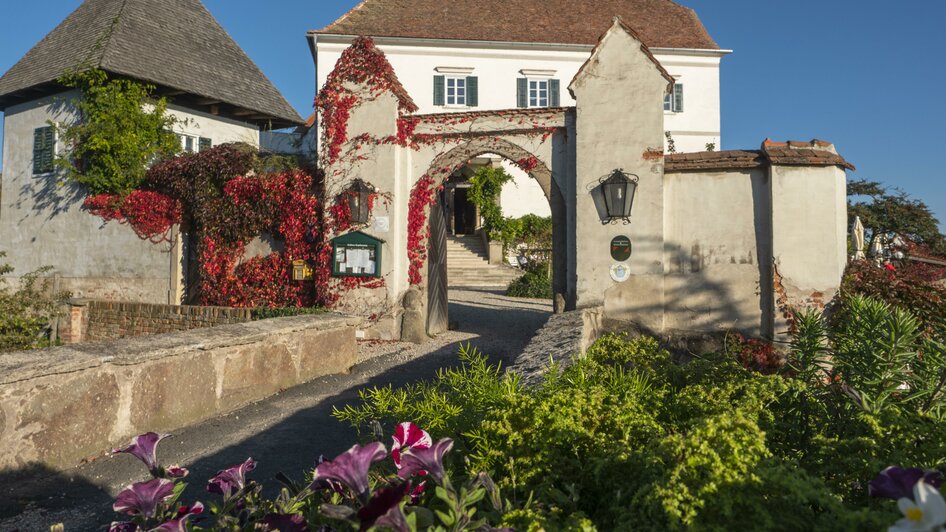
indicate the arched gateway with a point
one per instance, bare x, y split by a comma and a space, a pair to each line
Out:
716, 241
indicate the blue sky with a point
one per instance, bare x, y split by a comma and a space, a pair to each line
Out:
867, 75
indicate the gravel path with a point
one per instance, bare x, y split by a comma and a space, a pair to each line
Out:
285, 433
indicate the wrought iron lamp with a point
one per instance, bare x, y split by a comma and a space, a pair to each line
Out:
619, 190
359, 200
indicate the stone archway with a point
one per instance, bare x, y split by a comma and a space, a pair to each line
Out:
444, 164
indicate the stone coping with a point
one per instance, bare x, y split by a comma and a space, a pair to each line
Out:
25, 365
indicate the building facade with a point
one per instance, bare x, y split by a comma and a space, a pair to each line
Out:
485, 55
215, 91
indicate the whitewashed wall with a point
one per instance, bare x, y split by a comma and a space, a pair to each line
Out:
499, 65
42, 222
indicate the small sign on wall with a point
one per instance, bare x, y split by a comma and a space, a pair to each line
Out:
356, 255
621, 248
302, 271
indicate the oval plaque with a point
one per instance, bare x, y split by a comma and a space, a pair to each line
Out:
621, 248
620, 273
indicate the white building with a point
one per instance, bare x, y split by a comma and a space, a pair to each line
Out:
469, 55
216, 91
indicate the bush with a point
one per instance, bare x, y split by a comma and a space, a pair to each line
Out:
534, 284
270, 313
25, 313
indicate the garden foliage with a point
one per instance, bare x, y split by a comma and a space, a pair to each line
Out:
121, 129
25, 313
627, 439
535, 284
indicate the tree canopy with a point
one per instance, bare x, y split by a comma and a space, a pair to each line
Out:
891, 213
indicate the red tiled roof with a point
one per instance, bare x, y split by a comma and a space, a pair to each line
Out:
792, 153
713, 160
660, 23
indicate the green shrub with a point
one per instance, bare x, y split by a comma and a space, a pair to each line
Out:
534, 284
627, 439
270, 313
25, 313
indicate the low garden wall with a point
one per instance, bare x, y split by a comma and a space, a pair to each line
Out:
62, 405
100, 321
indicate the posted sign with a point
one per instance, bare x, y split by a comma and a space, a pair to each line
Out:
356, 255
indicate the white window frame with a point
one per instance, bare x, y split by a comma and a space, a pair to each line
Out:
537, 94
194, 139
460, 91
670, 101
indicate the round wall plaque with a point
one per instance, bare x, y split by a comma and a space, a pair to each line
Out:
621, 248
620, 273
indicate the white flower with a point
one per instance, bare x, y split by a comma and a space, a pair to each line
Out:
927, 514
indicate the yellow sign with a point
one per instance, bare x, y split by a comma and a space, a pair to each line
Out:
302, 271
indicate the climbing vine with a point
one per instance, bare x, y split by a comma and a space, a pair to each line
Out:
120, 129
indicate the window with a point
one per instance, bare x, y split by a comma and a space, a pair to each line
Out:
44, 150
673, 102
456, 91
538, 93
191, 144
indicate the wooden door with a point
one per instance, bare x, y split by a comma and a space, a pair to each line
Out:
437, 296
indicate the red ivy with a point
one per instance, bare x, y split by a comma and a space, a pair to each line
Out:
150, 214
417, 230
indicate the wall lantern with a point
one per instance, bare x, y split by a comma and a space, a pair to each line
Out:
619, 190
359, 201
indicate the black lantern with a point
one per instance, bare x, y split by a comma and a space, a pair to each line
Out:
359, 199
619, 189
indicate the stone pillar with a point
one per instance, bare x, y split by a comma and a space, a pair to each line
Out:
74, 325
620, 125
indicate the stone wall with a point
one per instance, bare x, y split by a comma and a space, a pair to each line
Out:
62, 405
101, 321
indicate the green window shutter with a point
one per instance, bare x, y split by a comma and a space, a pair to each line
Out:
204, 144
555, 93
44, 145
472, 91
440, 90
522, 92
678, 97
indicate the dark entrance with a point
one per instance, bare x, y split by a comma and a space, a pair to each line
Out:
464, 210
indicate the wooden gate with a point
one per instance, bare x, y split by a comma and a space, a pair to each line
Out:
437, 296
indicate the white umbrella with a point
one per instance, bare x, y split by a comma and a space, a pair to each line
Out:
859, 239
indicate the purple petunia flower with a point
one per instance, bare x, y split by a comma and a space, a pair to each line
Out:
176, 471
143, 447
285, 523
123, 527
351, 467
382, 504
179, 523
408, 435
897, 483
143, 498
413, 461
231, 480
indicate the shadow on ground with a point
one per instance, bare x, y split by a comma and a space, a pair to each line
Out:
286, 433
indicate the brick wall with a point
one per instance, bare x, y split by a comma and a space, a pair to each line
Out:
101, 321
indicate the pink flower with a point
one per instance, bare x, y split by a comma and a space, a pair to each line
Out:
144, 448
409, 436
179, 523
230, 480
430, 461
143, 498
350, 468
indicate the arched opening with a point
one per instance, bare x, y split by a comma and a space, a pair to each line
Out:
454, 228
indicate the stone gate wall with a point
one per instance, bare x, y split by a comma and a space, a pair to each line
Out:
102, 321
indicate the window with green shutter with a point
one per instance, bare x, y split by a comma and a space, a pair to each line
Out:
472, 91
440, 90
204, 144
44, 150
522, 92
555, 93
678, 98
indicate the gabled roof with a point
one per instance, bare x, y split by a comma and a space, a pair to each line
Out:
175, 44
660, 23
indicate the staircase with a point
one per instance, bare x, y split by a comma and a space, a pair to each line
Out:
468, 265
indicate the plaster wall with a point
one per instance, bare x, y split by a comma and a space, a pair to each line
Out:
218, 129
621, 80
42, 222
717, 223
499, 65
522, 195
809, 238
